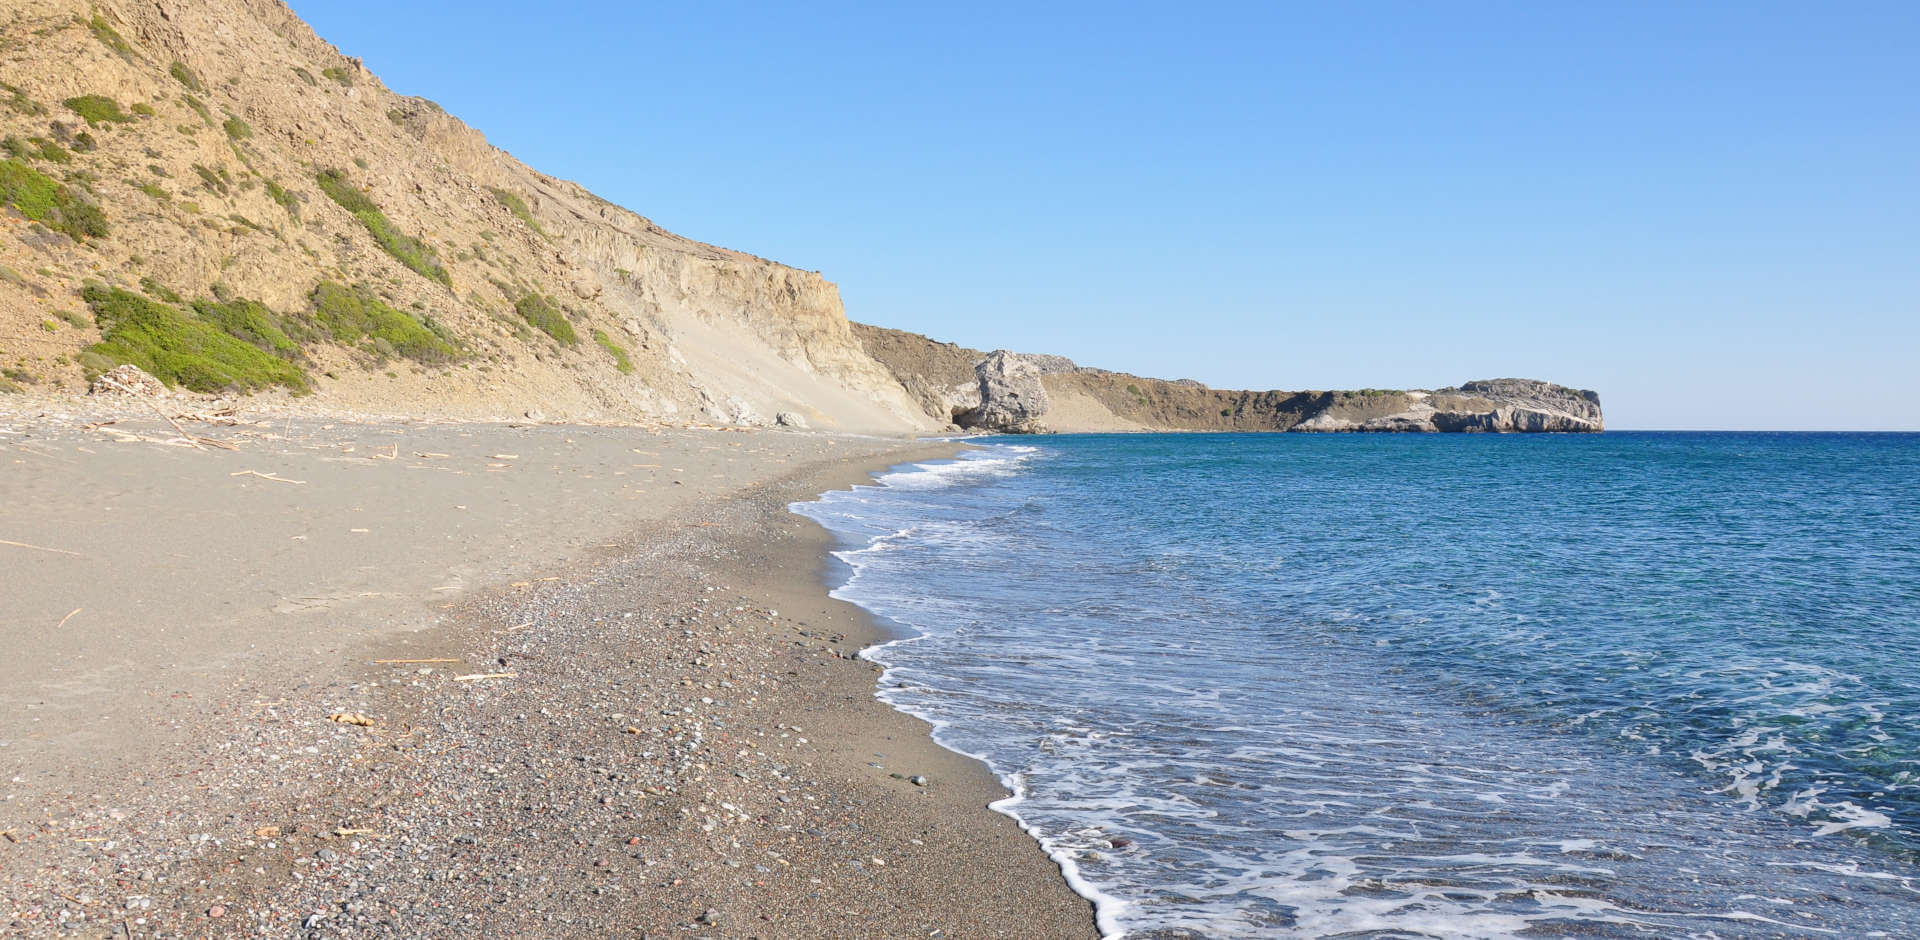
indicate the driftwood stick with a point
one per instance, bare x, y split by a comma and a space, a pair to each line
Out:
40, 548
265, 476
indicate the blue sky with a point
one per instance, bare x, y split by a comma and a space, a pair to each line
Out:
1708, 212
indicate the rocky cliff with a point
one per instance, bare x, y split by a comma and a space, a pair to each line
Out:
255, 211
1006, 391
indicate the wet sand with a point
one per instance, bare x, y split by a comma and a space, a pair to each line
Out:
673, 736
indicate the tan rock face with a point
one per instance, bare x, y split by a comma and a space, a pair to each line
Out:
1022, 393
233, 110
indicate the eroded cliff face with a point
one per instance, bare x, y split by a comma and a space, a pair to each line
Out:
1019, 393
193, 140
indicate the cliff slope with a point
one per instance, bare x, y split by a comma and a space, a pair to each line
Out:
255, 211
1005, 391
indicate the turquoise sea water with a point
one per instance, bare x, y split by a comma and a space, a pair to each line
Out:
1427, 685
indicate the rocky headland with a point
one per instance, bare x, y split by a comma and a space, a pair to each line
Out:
1021, 393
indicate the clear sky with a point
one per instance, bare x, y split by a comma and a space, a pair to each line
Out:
1709, 212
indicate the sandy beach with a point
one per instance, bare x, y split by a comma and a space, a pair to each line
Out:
386, 678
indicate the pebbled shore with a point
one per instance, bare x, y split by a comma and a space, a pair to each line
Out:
676, 739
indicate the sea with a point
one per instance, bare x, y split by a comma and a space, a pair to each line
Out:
1248, 685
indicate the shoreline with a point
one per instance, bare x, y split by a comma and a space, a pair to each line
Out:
658, 750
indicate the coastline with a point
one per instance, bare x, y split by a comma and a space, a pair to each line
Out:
659, 752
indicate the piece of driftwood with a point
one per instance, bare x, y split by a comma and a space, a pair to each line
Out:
40, 548
265, 476
474, 677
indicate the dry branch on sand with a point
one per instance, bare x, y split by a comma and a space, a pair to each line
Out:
40, 548
265, 476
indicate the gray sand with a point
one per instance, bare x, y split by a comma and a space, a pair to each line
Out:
665, 754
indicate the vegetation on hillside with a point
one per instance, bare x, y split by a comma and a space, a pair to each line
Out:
110, 37
179, 348
98, 109
547, 318
405, 248
517, 206
351, 315
185, 76
18, 102
619, 353
40, 198
35, 148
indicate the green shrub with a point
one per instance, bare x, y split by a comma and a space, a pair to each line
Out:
83, 142
179, 349
287, 200
185, 76
338, 188
408, 250
546, 317
18, 101
236, 128
349, 315
154, 190
36, 148
199, 107
619, 353
405, 248
304, 75
337, 74
143, 109
211, 179
98, 109
517, 206
252, 322
38, 197
159, 291
109, 37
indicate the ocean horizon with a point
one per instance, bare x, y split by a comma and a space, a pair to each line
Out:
1654, 683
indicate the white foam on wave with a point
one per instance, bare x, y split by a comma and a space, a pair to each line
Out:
973, 467
1363, 872
970, 467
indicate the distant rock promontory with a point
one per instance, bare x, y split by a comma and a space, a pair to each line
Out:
1021, 393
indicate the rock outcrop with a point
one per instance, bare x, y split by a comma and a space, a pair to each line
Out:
1011, 395
1023, 393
